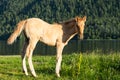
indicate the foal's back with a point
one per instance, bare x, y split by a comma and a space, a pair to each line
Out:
34, 27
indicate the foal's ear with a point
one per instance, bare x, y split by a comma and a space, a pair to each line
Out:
84, 18
76, 18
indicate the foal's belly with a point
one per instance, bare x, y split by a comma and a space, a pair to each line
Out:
48, 41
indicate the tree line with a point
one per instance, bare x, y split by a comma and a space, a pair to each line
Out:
103, 16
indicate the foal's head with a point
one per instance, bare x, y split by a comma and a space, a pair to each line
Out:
80, 23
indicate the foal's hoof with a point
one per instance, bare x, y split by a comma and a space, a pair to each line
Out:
58, 75
34, 74
26, 73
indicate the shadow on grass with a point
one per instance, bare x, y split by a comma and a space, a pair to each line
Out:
12, 73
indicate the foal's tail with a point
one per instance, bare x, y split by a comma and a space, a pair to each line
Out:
17, 31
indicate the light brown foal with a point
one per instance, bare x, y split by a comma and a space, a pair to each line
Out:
57, 35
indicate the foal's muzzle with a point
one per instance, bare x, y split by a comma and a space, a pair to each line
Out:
80, 36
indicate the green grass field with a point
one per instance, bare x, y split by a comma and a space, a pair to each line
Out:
74, 67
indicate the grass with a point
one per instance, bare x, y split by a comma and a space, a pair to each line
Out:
74, 67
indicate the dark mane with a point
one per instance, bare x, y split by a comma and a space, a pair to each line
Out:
68, 21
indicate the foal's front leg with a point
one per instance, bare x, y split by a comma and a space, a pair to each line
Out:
59, 58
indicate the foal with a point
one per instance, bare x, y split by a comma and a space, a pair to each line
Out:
57, 35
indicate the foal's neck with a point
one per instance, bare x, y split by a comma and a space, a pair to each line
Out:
69, 30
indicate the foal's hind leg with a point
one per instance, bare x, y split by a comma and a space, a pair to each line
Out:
29, 53
24, 57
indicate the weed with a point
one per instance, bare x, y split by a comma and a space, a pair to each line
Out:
76, 63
